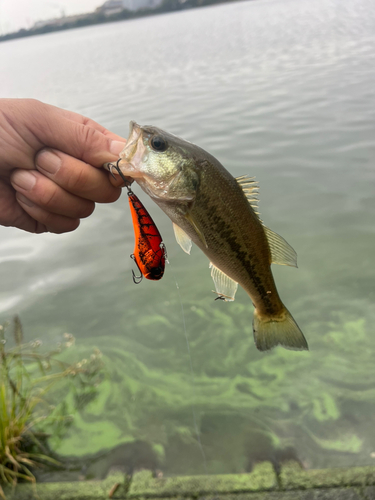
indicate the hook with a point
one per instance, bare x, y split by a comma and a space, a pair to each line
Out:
164, 250
136, 279
109, 167
121, 175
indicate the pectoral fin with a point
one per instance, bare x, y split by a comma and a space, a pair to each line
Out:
225, 286
182, 238
196, 229
281, 252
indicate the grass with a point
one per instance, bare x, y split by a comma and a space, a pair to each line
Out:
27, 375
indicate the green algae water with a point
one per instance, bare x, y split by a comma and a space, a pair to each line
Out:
280, 90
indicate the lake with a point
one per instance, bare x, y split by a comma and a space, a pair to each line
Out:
280, 90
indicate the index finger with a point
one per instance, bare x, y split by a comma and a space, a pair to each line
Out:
76, 135
71, 115
76, 177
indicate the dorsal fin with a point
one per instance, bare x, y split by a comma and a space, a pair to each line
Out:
251, 189
281, 252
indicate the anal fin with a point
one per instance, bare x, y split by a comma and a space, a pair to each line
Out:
225, 286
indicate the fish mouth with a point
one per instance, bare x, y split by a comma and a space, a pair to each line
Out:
133, 152
131, 144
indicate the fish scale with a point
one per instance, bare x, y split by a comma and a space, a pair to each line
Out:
239, 265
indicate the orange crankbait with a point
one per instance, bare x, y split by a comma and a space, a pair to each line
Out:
149, 251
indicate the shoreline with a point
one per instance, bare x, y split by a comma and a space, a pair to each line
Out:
293, 483
95, 18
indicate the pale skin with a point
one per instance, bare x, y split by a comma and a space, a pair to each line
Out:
50, 159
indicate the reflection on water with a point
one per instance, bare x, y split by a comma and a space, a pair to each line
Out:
282, 90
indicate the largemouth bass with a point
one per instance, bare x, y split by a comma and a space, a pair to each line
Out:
208, 206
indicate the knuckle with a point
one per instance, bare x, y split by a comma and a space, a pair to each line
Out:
34, 106
31, 104
89, 135
34, 103
84, 182
48, 219
88, 122
78, 181
48, 198
92, 145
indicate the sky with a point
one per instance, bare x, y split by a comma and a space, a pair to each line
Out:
17, 14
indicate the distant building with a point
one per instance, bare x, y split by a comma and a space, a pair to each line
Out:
111, 7
115, 6
141, 4
58, 21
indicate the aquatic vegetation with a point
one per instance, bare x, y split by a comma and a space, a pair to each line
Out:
325, 408
149, 392
27, 375
248, 406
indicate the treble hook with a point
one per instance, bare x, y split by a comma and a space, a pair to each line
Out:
111, 166
136, 279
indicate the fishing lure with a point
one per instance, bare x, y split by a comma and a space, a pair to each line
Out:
149, 252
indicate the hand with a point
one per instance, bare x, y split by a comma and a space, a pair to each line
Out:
49, 166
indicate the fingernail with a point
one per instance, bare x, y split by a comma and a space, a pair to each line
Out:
116, 147
48, 160
23, 199
24, 179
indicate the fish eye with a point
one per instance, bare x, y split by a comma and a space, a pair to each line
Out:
158, 143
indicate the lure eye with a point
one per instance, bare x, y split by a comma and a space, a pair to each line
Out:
156, 273
158, 143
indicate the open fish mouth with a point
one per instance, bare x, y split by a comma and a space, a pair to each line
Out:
131, 144
132, 154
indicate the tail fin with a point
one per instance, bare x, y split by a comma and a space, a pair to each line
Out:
283, 330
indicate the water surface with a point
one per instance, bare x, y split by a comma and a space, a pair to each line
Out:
284, 91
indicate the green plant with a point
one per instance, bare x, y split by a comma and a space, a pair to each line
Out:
26, 376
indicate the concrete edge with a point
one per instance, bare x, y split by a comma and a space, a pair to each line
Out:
261, 483
262, 478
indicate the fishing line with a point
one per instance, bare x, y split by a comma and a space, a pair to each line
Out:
110, 166
196, 428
